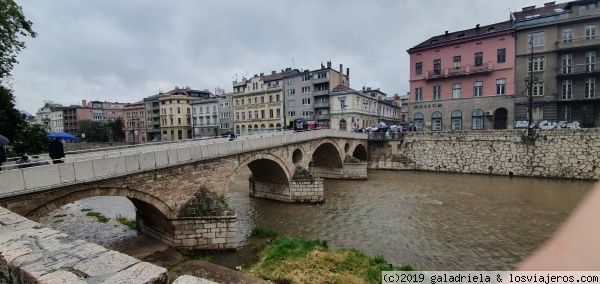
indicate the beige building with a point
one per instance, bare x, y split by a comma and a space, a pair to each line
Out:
556, 51
352, 109
258, 103
176, 113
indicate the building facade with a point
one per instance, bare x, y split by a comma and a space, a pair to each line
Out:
464, 80
73, 114
176, 114
354, 109
152, 108
307, 94
205, 117
556, 50
135, 122
258, 103
51, 116
225, 110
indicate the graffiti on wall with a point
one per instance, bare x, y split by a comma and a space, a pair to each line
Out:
548, 124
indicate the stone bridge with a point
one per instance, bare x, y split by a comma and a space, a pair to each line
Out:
160, 182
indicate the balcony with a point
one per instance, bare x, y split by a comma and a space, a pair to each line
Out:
321, 105
321, 116
462, 71
578, 43
320, 92
579, 70
320, 80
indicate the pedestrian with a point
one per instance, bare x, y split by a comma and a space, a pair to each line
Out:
2, 157
24, 162
57, 152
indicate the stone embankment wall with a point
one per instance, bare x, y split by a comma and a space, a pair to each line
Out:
353, 171
30, 253
297, 191
561, 153
216, 233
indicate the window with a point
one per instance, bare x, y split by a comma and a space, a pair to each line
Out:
321, 87
567, 35
179, 121
537, 39
277, 98
538, 89
590, 61
321, 75
590, 88
538, 114
249, 115
478, 58
306, 101
567, 90
478, 89
419, 68
437, 93
456, 62
256, 114
436, 121
538, 63
419, 121
456, 91
290, 81
305, 89
501, 55
291, 113
567, 62
291, 103
271, 99
456, 120
590, 32
306, 113
418, 94
437, 67
225, 115
278, 113
565, 112
477, 120
262, 99
305, 77
501, 87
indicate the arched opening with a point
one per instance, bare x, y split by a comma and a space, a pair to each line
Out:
360, 152
500, 118
297, 156
477, 120
419, 121
327, 156
436, 121
342, 124
456, 120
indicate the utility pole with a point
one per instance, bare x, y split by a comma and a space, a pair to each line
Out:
530, 109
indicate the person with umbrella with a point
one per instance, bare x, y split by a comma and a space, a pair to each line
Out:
3, 142
57, 152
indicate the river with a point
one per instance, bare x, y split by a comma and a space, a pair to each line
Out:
433, 221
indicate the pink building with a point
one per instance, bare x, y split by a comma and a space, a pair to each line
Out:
464, 80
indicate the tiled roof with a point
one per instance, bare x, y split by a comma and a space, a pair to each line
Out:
465, 34
341, 87
544, 11
279, 76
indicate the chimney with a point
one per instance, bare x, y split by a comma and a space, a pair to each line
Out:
549, 4
262, 74
341, 69
329, 64
273, 72
348, 72
83, 103
477, 26
446, 32
528, 8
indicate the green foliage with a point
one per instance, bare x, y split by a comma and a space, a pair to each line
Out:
302, 174
95, 131
13, 26
11, 121
127, 222
286, 248
101, 218
351, 160
31, 140
206, 203
183, 251
115, 128
206, 256
86, 209
262, 232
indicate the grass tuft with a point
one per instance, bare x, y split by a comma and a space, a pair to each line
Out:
101, 218
263, 232
127, 222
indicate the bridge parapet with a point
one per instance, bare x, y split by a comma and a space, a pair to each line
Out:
120, 163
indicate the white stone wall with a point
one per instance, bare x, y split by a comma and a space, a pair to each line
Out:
205, 233
560, 153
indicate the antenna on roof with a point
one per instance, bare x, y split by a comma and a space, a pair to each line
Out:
293, 64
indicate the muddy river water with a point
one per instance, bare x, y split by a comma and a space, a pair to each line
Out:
434, 221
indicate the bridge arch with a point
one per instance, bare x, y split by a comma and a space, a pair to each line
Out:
360, 152
328, 154
144, 200
265, 168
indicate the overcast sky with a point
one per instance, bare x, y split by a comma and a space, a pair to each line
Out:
123, 51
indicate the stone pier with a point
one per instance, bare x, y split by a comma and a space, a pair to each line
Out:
352, 171
296, 191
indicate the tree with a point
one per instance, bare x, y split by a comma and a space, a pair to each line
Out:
116, 129
11, 121
12, 25
31, 140
95, 131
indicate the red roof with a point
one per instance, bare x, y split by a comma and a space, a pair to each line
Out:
466, 34
341, 87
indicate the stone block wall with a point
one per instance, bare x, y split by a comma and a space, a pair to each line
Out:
349, 171
560, 153
205, 233
306, 190
30, 253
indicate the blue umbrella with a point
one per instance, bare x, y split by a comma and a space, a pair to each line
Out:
61, 135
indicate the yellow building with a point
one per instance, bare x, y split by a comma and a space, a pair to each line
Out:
175, 113
258, 103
